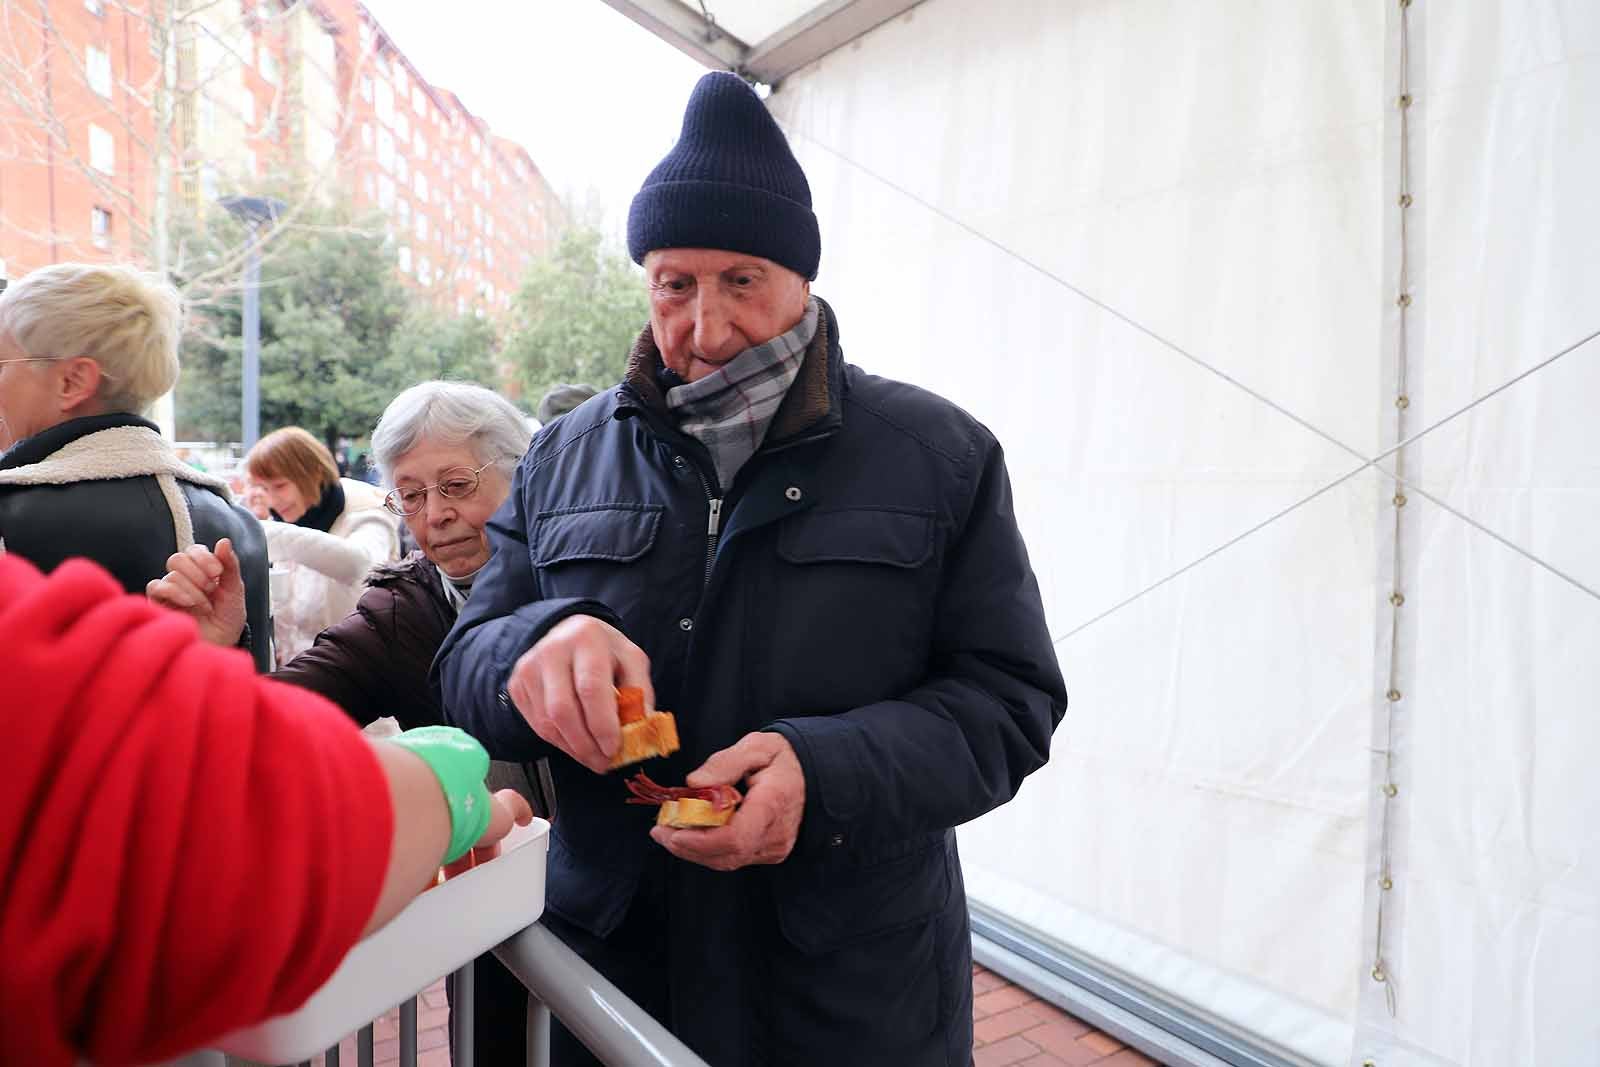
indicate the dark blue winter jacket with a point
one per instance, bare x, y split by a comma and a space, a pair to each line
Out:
868, 596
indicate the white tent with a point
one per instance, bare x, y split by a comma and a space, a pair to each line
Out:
1280, 310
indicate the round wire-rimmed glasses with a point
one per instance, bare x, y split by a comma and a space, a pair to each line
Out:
457, 483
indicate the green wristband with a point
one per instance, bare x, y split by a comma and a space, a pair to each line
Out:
460, 764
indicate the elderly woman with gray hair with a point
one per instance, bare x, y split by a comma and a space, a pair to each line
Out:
84, 348
449, 449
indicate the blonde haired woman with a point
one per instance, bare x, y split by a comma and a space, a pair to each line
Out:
83, 349
329, 534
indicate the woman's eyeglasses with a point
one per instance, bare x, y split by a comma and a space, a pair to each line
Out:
48, 359
457, 483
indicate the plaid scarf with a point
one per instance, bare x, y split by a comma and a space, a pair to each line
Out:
730, 409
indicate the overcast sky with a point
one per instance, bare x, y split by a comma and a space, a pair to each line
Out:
596, 99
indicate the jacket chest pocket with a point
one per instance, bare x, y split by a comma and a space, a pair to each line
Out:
600, 551
853, 601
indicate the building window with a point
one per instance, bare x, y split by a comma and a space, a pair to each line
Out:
419, 102
402, 126
269, 67
100, 227
420, 186
97, 69
208, 182
402, 169
385, 148
419, 145
366, 85
371, 185
366, 136
385, 192
247, 107
422, 226
402, 211
102, 150
95, 7
251, 167
424, 270
405, 258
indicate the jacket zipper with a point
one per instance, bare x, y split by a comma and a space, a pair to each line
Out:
713, 526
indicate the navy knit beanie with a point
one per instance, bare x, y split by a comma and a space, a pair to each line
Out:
729, 183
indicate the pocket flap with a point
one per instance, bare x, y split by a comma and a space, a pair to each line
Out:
616, 532
894, 537
819, 915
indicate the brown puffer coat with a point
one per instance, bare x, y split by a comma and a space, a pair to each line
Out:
374, 662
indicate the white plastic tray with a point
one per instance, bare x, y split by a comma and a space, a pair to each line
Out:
436, 934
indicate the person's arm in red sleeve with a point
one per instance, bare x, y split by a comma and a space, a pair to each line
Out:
188, 848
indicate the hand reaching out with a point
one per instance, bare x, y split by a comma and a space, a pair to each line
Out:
206, 586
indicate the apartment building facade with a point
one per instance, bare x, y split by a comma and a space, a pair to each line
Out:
116, 120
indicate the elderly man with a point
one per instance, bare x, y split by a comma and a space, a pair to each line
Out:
819, 571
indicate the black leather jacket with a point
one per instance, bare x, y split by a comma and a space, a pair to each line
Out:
124, 523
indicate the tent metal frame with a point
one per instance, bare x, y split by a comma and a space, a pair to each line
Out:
826, 27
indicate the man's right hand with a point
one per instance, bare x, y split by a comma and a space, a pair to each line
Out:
566, 687
207, 586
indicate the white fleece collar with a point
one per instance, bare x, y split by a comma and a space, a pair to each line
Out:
122, 452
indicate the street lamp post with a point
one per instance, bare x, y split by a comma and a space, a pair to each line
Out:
255, 212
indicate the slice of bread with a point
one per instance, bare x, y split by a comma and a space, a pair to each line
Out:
689, 812
654, 735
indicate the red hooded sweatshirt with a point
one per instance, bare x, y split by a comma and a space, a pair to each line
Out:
185, 847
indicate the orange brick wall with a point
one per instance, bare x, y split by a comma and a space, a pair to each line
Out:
48, 189
487, 210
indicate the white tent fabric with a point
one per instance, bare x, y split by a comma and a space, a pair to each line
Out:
1218, 180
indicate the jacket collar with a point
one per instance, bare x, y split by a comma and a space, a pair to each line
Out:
810, 408
102, 448
47, 442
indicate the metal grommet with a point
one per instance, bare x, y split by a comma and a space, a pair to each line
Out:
836, 840
1402, 401
679, 462
1378, 975
1399, 500
792, 493
1397, 599
1374, 1063
1405, 200
686, 624
1404, 300
1391, 790
1393, 695
1386, 883
1405, 100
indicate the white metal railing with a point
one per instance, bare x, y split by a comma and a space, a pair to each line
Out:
492, 907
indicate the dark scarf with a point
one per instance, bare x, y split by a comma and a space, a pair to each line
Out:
323, 514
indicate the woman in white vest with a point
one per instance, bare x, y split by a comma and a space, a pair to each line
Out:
328, 535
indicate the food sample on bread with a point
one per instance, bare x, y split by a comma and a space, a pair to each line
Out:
644, 733
683, 807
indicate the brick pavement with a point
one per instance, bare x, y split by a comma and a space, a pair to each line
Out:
1011, 1028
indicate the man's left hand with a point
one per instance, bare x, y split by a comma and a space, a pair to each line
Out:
764, 828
